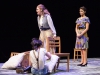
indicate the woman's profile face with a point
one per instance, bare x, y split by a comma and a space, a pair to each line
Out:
38, 10
82, 12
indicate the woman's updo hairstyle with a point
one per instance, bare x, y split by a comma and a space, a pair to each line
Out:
42, 7
36, 43
83, 8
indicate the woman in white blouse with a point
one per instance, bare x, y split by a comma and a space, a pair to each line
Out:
45, 24
37, 58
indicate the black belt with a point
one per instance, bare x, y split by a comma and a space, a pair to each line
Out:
44, 29
81, 28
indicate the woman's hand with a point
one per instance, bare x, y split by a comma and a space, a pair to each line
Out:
48, 55
79, 35
54, 36
78, 24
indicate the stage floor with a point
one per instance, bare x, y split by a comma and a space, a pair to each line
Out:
93, 68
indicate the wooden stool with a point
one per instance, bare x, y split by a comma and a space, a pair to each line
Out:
64, 55
76, 54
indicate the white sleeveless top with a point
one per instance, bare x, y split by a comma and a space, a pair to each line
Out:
42, 53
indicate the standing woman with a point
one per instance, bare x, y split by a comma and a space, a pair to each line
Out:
82, 26
45, 23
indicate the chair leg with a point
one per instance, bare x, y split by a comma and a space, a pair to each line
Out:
86, 55
58, 62
74, 55
77, 55
55, 68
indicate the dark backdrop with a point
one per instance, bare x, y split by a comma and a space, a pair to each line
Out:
18, 24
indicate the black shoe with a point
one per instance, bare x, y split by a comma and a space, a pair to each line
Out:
48, 73
27, 69
83, 65
80, 64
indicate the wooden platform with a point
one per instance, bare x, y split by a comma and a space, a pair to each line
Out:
93, 68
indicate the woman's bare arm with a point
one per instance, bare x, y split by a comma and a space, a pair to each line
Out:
87, 28
76, 29
30, 64
48, 55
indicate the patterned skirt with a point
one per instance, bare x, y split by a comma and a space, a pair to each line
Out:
81, 42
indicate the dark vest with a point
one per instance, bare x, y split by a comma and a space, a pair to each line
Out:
45, 22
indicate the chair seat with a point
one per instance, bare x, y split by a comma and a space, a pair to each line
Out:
54, 45
62, 54
77, 50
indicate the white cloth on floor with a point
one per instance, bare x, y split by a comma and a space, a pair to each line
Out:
13, 61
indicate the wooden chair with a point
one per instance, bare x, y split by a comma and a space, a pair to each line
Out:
25, 61
67, 55
77, 54
53, 43
56, 42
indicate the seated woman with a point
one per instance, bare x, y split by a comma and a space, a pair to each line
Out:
37, 58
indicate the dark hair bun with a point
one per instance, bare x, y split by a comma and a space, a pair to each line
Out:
36, 43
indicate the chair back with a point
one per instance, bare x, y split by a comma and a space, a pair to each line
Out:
53, 43
14, 53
